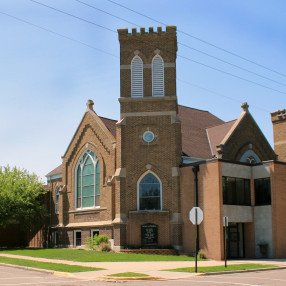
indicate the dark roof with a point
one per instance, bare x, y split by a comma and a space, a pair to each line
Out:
194, 125
110, 125
56, 171
217, 133
194, 136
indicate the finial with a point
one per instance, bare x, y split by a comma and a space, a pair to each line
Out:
245, 106
89, 104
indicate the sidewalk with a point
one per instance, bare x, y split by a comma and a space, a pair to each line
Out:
153, 269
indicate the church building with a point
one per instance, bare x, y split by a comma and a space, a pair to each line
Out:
137, 178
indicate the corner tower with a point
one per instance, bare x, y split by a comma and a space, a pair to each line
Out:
149, 147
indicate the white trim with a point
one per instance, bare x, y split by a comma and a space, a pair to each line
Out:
158, 72
137, 77
138, 198
54, 177
81, 164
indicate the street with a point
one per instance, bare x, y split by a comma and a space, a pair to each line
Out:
16, 276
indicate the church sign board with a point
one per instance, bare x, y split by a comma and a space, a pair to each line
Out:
149, 235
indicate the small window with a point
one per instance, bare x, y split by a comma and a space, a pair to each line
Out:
94, 232
136, 77
57, 196
149, 193
77, 238
148, 136
157, 76
262, 191
56, 238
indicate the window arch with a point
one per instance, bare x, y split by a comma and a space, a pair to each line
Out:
157, 76
250, 157
149, 192
57, 196
88, 181
136, 77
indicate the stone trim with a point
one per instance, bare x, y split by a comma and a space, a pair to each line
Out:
88, 210
148, 66
89, 224
158, 113
147, 98
280, 142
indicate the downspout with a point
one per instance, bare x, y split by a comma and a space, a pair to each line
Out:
196, 169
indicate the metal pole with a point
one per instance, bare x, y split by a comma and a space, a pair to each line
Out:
196, 220
225, 263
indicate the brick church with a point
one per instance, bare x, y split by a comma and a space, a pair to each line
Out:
135, 179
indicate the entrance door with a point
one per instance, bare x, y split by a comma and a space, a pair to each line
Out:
235, 241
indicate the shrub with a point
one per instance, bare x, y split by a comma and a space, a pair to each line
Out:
98, 239
89, 243
201, 254
103, 246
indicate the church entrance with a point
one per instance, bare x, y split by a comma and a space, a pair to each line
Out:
235, 240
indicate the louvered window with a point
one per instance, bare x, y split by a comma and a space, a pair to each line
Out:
157, 76
136, 77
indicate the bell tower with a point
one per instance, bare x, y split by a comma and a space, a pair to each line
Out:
147, 188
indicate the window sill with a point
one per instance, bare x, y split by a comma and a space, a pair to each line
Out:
88, 210
149, 211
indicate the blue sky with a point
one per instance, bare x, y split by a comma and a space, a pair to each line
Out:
46, 79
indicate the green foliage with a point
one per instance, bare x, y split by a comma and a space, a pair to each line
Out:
128, 274
231, 267
89, 243
21, 197
98, 239
92, 256
47, 265
201, 254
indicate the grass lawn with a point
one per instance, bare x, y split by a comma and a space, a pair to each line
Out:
47, 265
222, 268
92, 256
128, 274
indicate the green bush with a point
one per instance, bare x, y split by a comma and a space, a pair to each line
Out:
89, 243
98, 239
201, 254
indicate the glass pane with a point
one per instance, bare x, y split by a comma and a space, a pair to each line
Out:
239, 200
150, 203
92, 155
97, 183
88, 169
149, 178
87, 202
247, 192
87, 191
88, 180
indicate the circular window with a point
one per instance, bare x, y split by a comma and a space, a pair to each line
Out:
148, 136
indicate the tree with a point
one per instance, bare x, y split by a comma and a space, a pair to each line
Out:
21, 197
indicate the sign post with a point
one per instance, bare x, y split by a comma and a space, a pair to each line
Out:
225, 224
196, 216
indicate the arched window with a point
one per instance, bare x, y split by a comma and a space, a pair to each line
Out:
149, 193
136, 77
88, 181
250, 157
157, 76
57, 196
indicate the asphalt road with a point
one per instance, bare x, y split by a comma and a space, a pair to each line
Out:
16, 276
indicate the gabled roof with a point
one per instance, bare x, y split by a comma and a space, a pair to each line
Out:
217, 133
110, 125
194, 123
56, 171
